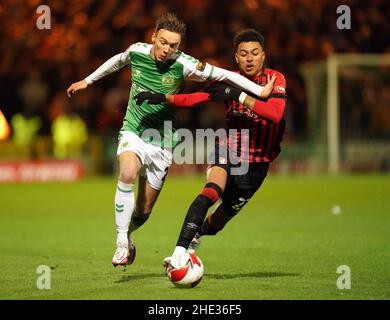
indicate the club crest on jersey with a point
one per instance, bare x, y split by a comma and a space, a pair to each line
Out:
201, 66
167, 80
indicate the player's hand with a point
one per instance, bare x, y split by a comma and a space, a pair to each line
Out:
153, 98
222, 92
74, 87
268, 87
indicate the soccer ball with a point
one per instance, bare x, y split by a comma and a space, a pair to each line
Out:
189, 275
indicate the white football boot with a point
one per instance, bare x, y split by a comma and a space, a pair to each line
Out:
176, 261
121, 256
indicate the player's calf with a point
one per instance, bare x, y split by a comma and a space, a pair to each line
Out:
197, 212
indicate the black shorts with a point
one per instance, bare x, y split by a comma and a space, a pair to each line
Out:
240, 188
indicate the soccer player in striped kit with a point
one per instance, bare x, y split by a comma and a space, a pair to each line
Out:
265, 124
156, 67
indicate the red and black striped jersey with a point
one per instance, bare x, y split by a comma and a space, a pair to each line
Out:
260, 142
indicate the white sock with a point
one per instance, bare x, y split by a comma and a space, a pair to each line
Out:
124, 207
179, 250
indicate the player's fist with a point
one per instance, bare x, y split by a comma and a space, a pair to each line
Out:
222, 92
153, 98
268, 87
74, 87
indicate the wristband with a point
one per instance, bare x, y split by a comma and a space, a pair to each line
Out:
242, 97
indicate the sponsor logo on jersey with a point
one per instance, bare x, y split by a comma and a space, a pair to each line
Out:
245, 113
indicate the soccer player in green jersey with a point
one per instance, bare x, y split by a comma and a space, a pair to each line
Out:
156, 67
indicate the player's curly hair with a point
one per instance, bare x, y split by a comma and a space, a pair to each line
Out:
248, 35
171, 22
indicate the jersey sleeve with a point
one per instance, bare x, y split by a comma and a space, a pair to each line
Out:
273, 108
279, 90
236, 80
194, 70
189, 100
111, 65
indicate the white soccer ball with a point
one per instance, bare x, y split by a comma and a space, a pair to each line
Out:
189, 275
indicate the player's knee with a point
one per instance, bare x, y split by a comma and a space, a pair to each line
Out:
128, 176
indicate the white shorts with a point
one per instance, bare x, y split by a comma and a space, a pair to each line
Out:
155, 160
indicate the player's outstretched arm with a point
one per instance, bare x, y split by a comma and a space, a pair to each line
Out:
74, 87
150, 97
188, 100
272, 109
220, 91
200, 71
111, 65
243, 83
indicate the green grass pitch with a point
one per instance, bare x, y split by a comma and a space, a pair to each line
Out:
285, 244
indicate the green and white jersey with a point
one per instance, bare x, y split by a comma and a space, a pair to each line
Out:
166, 77
149, 75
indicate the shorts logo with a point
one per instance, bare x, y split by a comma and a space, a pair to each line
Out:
125, 144
167, 80
201, 66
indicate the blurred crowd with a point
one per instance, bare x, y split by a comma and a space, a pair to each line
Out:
37, 66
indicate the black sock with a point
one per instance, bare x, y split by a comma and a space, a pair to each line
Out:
206, 229
193, 220
214, 223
